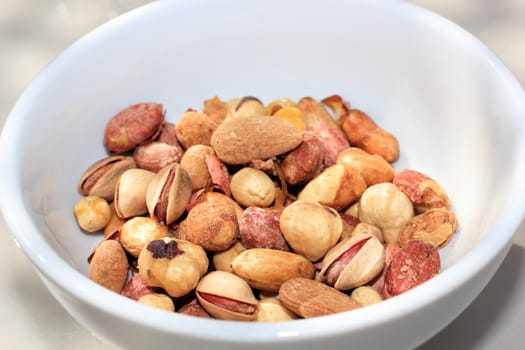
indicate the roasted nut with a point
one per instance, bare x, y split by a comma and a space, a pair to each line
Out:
243, 139
219, 175
212, 224
168, 135
304, 162
366, 295
222, 260
434, 226
310, 228
136, 288
133, 126
367, 229
276, 105
226, 296
373, 168
293, 115
424, 192
385, 206
168, 193
337, 186
415, 263
109, 266
248, 106
308, 298
155, 155
130, 192
216, 108
115, 223
353, 262
194, 162
92, 213
195, 128
172, 264
158, 300
260, 228
101, 178
267, 269
272, 310
137, 232
193, 308
252, 187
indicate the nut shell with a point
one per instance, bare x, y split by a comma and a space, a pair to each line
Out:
130, 193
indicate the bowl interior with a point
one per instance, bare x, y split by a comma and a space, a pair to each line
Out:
453, 106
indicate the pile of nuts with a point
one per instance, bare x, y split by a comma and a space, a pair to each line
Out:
246, 211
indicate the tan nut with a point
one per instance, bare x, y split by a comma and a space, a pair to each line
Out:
279, 104
137, 232
172, 264
226, 296
367, 229
272, 310
293, 115
222, 260
267, 269
130, 192
194, 162
434, 226
158, 300
92, 213
168, 193
366, 295
109, 265
115, 223
247, 106
310, 228
101, 178
373, 168
385, 206
252, 187
337, 186
195, 128
353, 262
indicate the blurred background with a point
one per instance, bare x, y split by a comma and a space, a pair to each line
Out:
33, 32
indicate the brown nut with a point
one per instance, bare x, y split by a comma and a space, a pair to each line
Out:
226, 296
353, 262
336, 186
434, 226
194, 162
92, 213
172, 264
267, 269
109, 266
101, 178
137, 232
243, 139
216, 108
309, 298
222, 260
195, 128
424, 192
158, 300
304, 162
272, 310
373, 168
260, 228
310, 228
385, 206
155, 155
168, 193
135, 125
252, 187
130, 192
212, 223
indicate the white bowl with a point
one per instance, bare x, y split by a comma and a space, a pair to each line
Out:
456, 110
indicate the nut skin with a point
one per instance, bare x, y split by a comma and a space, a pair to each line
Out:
101, 177
136, 288
194, 162
109, 266
177, 275
252, 187
434, 226
155, 155
92, 213
353, 262
424, 192
304, 162
133, 126
385, 206
137, 232
219, 174
373, 168
337, 186
194, 128
260, 228
130, 193
226, 296
267, 269
168, 193
310, 228
309, 298
158, 300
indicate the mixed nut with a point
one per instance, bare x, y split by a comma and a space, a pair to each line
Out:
253, 212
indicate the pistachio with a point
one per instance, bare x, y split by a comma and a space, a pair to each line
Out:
267, 269
168, 193
101, 178
364, 228
226, 296
353, 262
130, 192
310, 228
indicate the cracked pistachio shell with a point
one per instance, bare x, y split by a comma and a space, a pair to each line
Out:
130, 193
359, 259
101, 177
310, 228
232, 296
168, 193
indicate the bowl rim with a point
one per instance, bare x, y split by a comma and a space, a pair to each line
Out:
46, 261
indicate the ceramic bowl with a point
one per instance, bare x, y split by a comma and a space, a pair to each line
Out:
456, 109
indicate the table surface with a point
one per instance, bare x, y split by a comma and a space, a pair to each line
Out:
32, 33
